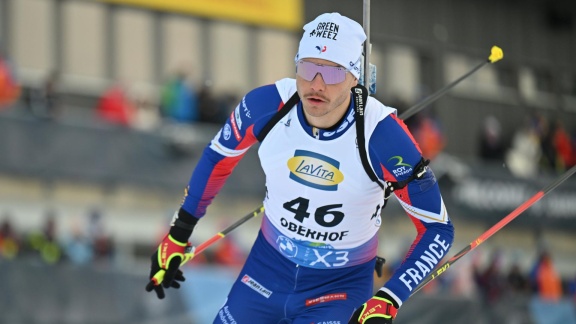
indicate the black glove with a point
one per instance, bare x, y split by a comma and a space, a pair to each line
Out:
380, 309
172, 251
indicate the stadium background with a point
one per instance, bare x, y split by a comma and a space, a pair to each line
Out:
113, 187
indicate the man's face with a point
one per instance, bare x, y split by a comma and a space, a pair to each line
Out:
320, 99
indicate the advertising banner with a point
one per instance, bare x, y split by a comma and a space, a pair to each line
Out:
487, 194
287, 14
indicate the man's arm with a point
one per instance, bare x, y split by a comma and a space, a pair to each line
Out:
394, 151
215, 165
228, 147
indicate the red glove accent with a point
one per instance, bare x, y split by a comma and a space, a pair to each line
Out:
377, 310
170, 248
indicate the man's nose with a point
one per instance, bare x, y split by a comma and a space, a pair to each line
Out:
318, 82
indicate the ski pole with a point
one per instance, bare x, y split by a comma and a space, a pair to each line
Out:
496, 55
227, 230
498, 226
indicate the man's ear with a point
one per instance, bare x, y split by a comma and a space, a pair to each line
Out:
354, 83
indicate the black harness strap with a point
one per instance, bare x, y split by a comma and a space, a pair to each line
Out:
360, 97
279, 115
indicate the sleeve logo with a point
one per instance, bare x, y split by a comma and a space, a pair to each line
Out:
402, 168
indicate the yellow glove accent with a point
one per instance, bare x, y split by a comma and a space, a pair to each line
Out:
371, 309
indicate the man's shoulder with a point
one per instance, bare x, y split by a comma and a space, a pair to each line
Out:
261, 103
377, 111
283, 88
286, 88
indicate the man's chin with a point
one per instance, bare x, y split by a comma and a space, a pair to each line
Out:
315, 110
315, 105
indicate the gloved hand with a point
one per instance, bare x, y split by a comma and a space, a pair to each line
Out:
172, 251
165, 263
379, 309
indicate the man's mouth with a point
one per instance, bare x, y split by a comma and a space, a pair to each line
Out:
315, 100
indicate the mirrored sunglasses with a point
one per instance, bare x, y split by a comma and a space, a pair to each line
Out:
330, 74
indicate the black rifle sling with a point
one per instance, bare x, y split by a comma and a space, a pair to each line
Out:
360, 97
279, 115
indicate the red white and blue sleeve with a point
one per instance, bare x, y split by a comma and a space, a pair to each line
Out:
229, 146
394, 153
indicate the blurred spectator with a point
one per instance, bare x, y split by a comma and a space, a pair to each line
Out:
517, 281
43, 101
147, 114
571, 290
211, 111
546, 134
179, 101
228, 102
545, 279
462, 283
45, 241
228, 253
115, 107
491, 143
9, 242
489, 280
101, 241
428, 134
525, 152
9, 85
78, 248
563, 147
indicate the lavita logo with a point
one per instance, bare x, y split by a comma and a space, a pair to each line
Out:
315, 170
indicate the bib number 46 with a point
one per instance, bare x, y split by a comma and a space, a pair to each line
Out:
326, 215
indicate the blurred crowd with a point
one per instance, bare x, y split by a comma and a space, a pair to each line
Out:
87, 241
83, 244
541, 144
177, 101
495, 282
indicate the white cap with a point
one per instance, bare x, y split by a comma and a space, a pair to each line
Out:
335, 38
